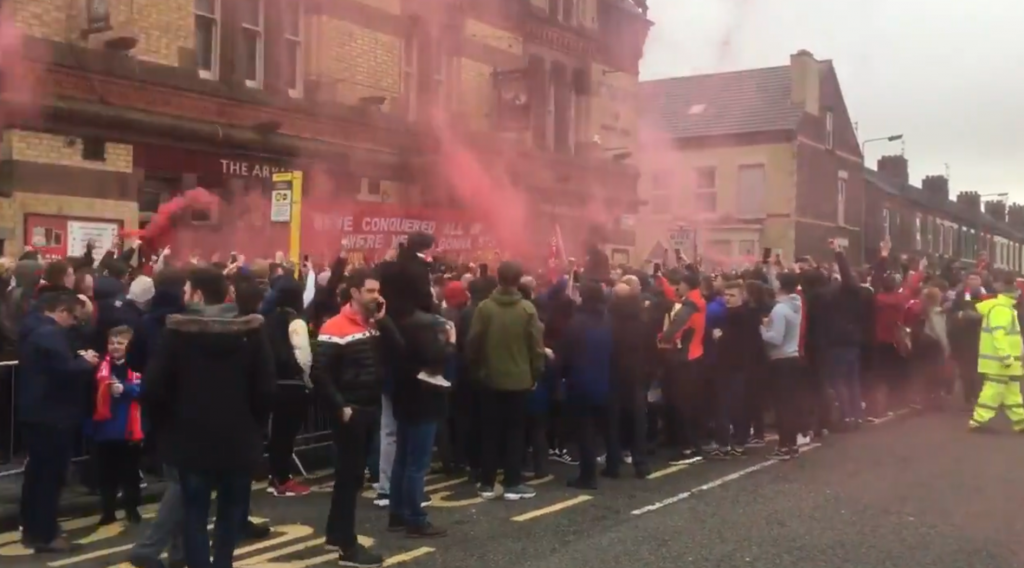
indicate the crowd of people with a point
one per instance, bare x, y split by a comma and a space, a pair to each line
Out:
206, 365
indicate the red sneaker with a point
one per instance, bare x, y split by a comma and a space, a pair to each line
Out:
291, 488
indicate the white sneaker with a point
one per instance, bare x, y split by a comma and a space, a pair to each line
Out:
804, 440
436, 380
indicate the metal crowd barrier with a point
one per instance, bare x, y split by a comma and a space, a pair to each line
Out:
315, 431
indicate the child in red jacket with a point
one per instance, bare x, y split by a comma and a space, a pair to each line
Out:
117, 429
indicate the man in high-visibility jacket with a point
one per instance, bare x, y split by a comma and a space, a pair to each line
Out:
999, 357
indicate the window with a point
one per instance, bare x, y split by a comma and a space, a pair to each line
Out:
841, 203
917, 232
697, 109
410, 87
552, 95
829, 134
750, 191
441, 62
207, 16
705, 195
940, 238
949, 240
886, 234
706, 178
252, 31
94, 149
748, 249
568, 12
293, 36
705, 201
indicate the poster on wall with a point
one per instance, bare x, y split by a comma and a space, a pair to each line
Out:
102, 234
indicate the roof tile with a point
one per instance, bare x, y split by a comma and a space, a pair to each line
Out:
738, 102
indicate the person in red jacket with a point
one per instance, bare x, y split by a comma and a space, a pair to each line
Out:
890, 348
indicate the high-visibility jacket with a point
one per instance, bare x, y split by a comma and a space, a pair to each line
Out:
1000, 347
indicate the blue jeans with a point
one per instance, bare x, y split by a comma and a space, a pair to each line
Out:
414, 446
233, 491
843, 366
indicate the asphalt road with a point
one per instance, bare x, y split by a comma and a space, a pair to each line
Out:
917, 491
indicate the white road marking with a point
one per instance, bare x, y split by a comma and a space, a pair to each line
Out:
711, 485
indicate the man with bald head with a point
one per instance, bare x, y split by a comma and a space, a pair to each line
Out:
629, 374
632, 284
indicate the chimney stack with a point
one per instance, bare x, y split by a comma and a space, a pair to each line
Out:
894, 168
1015, 216
996, 209
805, 86
969, 200
936, 188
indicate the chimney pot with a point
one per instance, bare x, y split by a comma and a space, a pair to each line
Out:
936, 188
895, 168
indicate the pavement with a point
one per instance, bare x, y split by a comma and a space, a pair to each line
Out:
915, 491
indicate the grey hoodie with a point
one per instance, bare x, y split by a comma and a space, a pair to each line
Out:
782, 334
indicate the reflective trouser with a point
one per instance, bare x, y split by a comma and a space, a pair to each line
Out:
999, 391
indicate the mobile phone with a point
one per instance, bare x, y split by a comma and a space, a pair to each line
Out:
483, 270
766, 254
233, 258
305, 258
657, 268
379, 307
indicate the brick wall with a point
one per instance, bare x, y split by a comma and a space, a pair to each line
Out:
44, 148
162, 27
363, 61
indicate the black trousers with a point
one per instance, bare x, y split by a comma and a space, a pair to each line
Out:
117, 468
351, 445
592, 425
787, 392
503, 427
731, 425
685, 392
537, 439
628, 424
285, 422
49, 455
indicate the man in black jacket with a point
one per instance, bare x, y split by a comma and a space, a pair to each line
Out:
632, 349
208, 392
348, 374
843, 336
738, 342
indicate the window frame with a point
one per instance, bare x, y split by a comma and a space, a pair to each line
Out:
841, 202
214, 72
261, 47
704, 190
300, 44
886, 228
829, 130
918, 243
410, 75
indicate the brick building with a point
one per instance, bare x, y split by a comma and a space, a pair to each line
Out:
144, 98
760, 158
925, 221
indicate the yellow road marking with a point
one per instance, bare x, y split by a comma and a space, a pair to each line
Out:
369, 493
444, 484
541, 480
74, 524
293, 532
333, 557
552, 508
439, 500
263, 558
668, 471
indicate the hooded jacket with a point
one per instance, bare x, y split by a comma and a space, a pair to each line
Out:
782, 334
505, 345
209, 388
405, 283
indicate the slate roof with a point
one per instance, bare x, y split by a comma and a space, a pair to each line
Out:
955, 211
737, 102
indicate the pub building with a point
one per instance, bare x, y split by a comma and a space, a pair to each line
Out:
542, 97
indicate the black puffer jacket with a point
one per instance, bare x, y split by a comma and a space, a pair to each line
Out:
348, 360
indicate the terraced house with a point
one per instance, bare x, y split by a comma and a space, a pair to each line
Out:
144, 98
740, 161
925, 221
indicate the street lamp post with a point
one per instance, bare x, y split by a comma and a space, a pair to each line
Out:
863, 199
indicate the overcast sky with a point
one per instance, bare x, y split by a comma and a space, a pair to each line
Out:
948, 74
